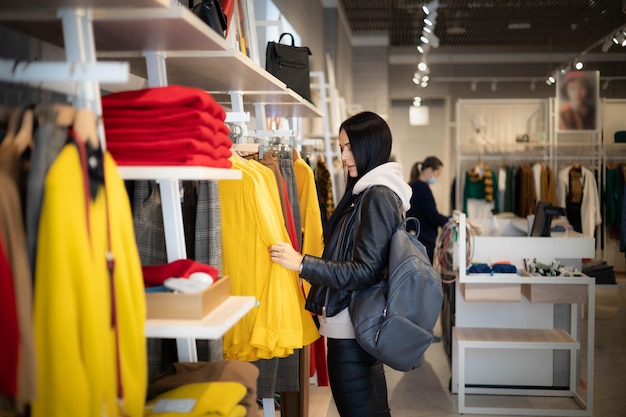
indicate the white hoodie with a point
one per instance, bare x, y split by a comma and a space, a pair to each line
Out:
389, 175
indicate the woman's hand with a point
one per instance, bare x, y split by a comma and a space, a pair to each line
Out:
284, 254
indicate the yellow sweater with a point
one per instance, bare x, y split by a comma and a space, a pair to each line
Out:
75, 342
251, 222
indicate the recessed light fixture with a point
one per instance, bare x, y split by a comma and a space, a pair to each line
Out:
578, 65
455, 30
519, 25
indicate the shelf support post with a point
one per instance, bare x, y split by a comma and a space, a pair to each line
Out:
171, 203
80, 49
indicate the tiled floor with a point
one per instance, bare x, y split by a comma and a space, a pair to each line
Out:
424, 392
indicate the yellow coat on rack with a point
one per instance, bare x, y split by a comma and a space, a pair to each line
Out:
75, 341
310, 213
252, 221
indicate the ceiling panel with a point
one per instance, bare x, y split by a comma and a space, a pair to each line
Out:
488, 25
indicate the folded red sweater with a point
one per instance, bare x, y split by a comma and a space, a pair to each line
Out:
157, 124
164, 149
203, 133
169, 96
183, 268
196, 160
158, 117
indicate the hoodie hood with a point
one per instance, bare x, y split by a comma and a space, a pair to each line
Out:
389, 175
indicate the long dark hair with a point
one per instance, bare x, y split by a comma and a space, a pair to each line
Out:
370, 141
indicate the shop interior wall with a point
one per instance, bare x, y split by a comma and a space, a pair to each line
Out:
371, 79
307, 18
337, 43
414, 143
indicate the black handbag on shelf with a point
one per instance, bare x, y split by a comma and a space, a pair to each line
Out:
210, 12
290, 64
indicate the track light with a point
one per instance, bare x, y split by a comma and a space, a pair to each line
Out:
422, 66
427, 29
425, 9
578, 65
417, 101
428, 22
550, 80
424, 39
420, 49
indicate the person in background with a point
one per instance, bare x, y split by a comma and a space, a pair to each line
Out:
356, 256
423, 206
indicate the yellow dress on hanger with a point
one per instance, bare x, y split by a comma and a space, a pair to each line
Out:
252, 221
313, 234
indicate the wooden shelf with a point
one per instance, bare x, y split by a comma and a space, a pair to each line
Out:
284, 103
213, 326
515, 338
177, 173
218, 72
125, 29
517, 279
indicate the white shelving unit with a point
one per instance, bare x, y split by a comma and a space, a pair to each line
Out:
166, 43
496, 318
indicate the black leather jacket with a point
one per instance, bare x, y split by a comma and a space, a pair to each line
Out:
356, 254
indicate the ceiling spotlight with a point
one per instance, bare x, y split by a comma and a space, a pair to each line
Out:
426, 78
416, 80
420, 49
424, 84
427, 29
624, 41
424, 39
417, 101
425, 9
578, 65
550, 80
428, 22
422, 66
563, 70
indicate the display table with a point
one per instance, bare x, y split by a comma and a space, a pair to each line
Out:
517, 335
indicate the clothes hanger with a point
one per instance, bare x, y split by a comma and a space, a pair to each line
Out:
24, 137
13, 125
85, 126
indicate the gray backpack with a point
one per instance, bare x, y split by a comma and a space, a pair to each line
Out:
394, 319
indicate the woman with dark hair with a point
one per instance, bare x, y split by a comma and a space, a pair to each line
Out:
423, 206
355, 257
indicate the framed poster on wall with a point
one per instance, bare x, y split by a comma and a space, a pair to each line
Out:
577, 101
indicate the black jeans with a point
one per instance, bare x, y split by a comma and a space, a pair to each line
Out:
357, 380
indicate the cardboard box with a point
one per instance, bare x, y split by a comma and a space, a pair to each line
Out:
492, 292
555, 293
168, 305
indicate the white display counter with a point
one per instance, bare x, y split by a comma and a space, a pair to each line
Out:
517, 335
